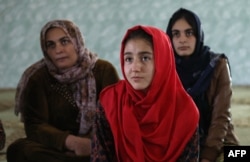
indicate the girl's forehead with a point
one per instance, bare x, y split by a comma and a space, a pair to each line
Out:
181, 24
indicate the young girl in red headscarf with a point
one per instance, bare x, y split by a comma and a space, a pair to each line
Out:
150, 115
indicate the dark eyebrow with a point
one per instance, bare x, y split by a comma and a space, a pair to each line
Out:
62, 38
140, 53
65, 37
189, 29
145, 53
175, 30
127, 53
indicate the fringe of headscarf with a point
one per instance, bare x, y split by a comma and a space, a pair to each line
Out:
22, 85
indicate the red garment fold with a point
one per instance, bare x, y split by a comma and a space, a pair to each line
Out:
152, 126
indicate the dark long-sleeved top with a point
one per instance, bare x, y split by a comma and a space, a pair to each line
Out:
50, 111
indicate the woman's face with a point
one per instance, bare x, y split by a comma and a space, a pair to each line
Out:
60, 49
139, 63
183, 38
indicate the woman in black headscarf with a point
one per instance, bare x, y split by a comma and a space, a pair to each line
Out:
206, 77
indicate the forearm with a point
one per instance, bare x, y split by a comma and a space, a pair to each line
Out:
221, 116
46, 135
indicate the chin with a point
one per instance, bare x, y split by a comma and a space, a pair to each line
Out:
140, 88
184, 54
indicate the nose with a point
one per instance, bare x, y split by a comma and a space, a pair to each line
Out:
136, 65
182, 38
58, 48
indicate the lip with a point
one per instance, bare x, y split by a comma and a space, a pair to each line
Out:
183, 48
61, 58
136, 78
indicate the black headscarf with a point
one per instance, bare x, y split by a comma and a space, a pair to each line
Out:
191, 68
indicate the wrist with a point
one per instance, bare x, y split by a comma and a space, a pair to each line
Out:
69, 142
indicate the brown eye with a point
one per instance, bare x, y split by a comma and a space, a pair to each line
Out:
127, 59
189, 33
175, 34
49, 44
146, 58
65, 41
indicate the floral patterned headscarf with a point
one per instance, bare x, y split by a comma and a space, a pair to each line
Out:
79, 76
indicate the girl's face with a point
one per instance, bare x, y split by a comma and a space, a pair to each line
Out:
183, 38
139, 63
60, 49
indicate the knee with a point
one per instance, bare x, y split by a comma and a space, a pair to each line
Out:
15, 152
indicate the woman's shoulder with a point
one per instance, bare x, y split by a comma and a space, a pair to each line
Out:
102, 66
219, 60
218, 56
105, 71
34, 70
40, 73
102, 63
35, 76
222, 67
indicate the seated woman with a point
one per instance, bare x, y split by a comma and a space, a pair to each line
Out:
57, 98
206, 77
148, 116
2, 136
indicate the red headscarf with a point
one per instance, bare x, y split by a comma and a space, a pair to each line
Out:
155, 126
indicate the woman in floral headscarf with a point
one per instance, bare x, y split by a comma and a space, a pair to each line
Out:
149, 114
57, 98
